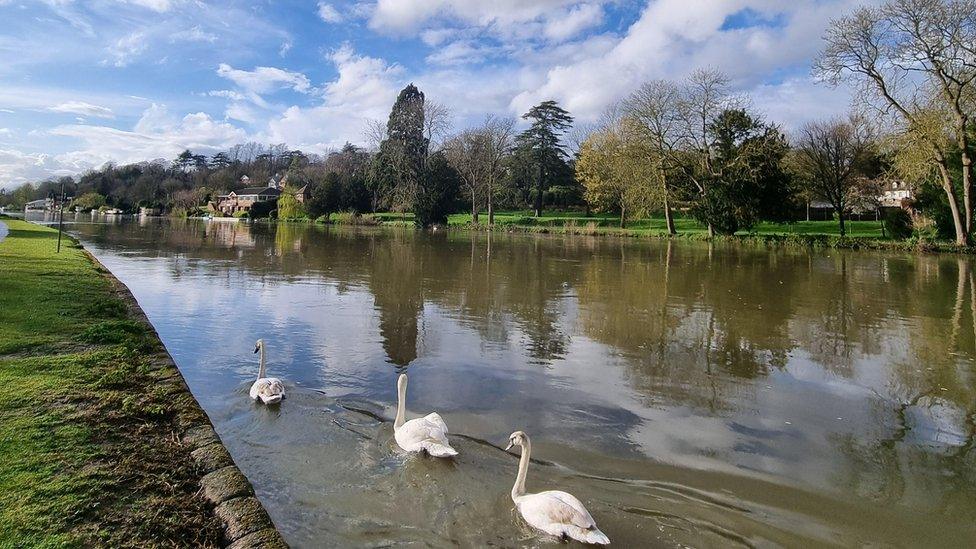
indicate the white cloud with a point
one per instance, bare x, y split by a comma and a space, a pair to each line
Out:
263, 80
673, 37
575, 21
404, 16
80, 107
364, 89
17, 168
155, 5
128, 47
195, 34
328, 13
156, 134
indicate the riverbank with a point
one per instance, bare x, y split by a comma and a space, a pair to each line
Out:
861, 235
753, 239
102, 442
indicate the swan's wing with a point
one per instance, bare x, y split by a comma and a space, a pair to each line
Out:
558, 507
267, 387
435, 419
418, 430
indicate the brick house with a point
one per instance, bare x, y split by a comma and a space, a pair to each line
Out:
242, 200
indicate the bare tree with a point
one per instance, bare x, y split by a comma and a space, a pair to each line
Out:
498, 137
466, 154
705, 96
438, 119
374, 132
658, 114
913, 57
831, 159
477, 155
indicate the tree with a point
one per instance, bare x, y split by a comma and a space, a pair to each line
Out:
88, 202
219, 161
595, 168
618, 171
438, 192
402, 156
916, 57
705, 97
184, 161
832, 158
326, 197
466, 153
288, 205
746, 180
659, 115
543, 144
497, 136
437, 122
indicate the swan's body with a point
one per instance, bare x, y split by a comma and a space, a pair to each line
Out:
555, 512
268, 390
424, 434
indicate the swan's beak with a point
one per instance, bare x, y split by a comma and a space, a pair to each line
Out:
509, 447
256, 349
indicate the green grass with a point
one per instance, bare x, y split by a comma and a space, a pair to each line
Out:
80, 466
603, 223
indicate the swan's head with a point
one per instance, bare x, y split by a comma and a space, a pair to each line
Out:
259, 345
402, 382
518, 438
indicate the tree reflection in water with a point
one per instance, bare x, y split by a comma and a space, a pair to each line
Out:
859, 365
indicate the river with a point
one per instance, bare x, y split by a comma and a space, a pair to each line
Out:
689, 394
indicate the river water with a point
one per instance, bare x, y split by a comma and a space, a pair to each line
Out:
689, 394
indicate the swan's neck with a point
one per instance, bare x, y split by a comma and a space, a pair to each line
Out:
519, 488
401, 405
262, 372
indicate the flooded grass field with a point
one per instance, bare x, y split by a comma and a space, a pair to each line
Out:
687, 393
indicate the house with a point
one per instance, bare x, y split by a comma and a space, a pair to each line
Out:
895, 194
50, 204
242, 200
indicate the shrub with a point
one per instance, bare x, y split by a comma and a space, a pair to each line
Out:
262, 209
898, 223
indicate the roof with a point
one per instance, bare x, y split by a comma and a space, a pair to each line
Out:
257, 190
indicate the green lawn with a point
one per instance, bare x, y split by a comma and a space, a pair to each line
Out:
868, 229
83, 422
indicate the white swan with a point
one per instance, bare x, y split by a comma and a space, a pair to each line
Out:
424, 434
555, 512
269, 390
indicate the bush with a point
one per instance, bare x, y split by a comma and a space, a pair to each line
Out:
88, 202
262, 209
898, 223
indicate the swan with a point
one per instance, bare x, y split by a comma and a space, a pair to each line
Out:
555, 512
269, 390
423, 434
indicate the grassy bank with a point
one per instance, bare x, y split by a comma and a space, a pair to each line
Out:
88, 421
821, 234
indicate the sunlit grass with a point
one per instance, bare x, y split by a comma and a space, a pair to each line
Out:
657, 225
70, 361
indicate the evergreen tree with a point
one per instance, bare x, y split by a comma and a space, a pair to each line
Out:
543, 144
437, 196
748, 182
400, 164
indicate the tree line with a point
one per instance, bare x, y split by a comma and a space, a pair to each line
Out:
690, 147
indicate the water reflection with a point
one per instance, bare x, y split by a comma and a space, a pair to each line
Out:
819, 397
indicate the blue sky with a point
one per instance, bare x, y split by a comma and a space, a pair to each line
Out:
82, 83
